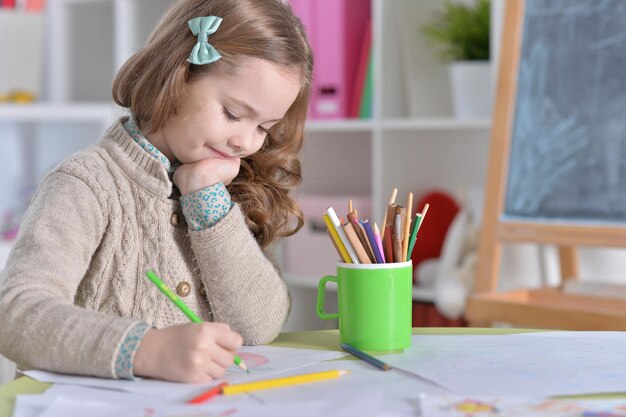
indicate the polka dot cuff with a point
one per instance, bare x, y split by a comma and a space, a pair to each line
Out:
204, 208
126, 353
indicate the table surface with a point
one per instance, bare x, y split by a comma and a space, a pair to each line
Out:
318, 339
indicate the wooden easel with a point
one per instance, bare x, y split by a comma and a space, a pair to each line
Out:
544, 307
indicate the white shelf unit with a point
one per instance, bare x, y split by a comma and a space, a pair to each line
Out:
412, 141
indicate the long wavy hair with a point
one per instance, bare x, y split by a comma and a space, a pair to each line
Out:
153, 80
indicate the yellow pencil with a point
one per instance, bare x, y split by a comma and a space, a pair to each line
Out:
343, 253
282, 382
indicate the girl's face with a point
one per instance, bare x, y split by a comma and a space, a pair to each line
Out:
228, 115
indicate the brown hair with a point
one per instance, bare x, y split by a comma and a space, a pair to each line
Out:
151, 82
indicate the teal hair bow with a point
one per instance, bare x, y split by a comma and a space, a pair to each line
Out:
203, 52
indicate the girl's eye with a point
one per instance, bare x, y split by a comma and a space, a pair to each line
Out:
230, 116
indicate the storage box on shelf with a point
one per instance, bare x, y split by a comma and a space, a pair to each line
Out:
310, 252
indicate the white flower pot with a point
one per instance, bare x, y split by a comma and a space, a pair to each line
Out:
470, 83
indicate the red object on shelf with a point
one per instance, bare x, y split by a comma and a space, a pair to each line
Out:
35, 5
426, 315
432, 233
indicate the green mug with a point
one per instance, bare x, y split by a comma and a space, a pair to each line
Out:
375, 302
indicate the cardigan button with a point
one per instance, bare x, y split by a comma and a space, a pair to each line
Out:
175, 219
183, 289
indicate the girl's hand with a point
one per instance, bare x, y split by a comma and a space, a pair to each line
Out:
194, 352
193, 177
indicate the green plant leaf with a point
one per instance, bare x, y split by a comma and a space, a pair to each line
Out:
460, 32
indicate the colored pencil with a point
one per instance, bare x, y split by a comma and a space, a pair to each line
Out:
282, 382
367, 358
360, 232
206, 396
379, 242
351, 217
414, 228
341, 248
398, 233
373, 241
360, 251
388, 231
407, 226
332, 239
152, 276
424, 211
388, 245
344, 239
363, 236
392, 200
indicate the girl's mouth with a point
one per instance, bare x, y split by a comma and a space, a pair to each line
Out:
221, 154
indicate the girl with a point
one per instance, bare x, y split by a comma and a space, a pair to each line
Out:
193, 184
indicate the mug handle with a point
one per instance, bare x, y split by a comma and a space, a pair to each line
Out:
321, 298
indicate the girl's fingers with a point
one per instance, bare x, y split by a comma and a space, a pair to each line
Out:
215, 371
230, 341
223, 358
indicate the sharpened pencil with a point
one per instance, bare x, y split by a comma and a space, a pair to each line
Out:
154, 278
367, 358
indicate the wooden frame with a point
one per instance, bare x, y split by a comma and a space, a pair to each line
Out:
543, 307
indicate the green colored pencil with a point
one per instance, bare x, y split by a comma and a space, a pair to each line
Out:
184, 308
414, 228
419, 218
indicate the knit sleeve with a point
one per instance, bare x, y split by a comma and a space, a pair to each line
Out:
243, 287
41, 327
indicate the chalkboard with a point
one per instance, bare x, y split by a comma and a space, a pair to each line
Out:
557, 159
567, 158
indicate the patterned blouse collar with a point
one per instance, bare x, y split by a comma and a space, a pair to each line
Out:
132, 127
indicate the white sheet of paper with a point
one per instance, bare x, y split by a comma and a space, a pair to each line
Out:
365, 391
104, 395
53, 405
262, 361
30, 405
463, 406
258, 410
530, 364
68, 407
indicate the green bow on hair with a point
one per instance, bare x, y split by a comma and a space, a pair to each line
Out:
203, 52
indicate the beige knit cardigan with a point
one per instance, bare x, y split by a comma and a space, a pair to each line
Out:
75, 281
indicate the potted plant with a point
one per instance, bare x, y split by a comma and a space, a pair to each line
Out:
461, 34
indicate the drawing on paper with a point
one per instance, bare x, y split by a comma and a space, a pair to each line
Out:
254, 360
473, 407
484, 406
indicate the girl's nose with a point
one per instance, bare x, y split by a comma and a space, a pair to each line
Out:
243, 141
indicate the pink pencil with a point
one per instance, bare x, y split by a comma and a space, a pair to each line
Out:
379, 241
